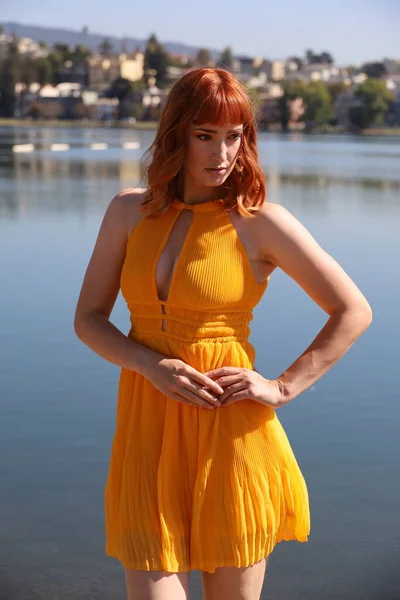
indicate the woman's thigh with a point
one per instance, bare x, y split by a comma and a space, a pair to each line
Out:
156, 585
244, 583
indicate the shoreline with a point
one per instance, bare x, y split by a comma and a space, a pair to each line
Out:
153, 125
140, 125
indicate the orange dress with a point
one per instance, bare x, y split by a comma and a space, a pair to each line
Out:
190, 488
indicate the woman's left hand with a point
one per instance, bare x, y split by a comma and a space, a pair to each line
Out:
244, 384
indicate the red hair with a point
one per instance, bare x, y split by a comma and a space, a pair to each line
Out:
201, 96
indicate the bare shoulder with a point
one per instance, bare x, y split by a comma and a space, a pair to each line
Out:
130, 196
274, 215
277, 228
286, 242
102, 278
125, 207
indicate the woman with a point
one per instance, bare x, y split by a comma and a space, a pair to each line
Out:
193, 254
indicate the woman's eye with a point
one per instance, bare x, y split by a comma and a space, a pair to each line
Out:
204, 136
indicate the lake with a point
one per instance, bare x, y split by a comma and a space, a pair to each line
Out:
58, 398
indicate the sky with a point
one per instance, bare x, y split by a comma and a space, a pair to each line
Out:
353, 31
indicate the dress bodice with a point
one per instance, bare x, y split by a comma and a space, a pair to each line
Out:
213, 288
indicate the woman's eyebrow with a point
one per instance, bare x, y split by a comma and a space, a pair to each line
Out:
214, 131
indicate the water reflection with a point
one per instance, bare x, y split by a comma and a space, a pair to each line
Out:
58, 398
313, 167
325, 181
43, 168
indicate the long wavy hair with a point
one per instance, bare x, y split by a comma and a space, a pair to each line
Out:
204, 95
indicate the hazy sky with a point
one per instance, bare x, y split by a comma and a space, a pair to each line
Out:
354, 31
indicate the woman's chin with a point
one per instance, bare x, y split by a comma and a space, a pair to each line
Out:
214, 182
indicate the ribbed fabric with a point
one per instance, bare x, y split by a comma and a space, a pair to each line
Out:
190, 488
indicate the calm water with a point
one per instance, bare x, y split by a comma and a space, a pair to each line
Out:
58, 398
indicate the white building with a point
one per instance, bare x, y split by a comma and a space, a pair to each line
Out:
273, 69
31, 48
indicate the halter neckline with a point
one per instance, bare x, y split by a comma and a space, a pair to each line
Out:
201, 207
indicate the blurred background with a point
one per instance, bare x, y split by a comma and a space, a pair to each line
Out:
81, 90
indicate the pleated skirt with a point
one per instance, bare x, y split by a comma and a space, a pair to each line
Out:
196, 489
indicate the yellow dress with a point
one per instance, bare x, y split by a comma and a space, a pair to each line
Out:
190, 488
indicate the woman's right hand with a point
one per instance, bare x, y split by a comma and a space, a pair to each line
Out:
178, 380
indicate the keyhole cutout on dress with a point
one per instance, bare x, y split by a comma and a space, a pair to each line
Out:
168, 261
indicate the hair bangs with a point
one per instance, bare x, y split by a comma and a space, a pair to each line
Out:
221, 108
205, 95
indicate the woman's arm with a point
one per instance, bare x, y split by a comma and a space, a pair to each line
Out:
99, 292
288, 244
101, 286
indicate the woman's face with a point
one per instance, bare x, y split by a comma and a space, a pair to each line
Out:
211, 153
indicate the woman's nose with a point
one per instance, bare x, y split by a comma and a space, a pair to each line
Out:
220, 152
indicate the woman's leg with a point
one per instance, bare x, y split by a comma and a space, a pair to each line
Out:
234, 583
156, 585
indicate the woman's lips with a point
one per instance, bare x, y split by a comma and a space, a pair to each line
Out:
216, 171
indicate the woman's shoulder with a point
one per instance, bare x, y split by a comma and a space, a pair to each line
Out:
270, 211
269, 216
126, 206
275, 229
274, 217
129, 199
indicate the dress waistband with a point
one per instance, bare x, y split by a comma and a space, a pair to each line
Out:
190, 325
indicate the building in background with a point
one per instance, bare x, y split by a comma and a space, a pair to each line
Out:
102, 71
26, 47
29, 47
74, 72
273, 69
63, 101
269, 112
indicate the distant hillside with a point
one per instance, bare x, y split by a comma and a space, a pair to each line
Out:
53, 36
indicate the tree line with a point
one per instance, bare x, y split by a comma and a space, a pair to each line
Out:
372, 98
371, 101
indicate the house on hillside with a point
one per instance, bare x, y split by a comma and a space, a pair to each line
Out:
102, 71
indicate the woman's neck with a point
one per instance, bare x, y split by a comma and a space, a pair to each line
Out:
192, 194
